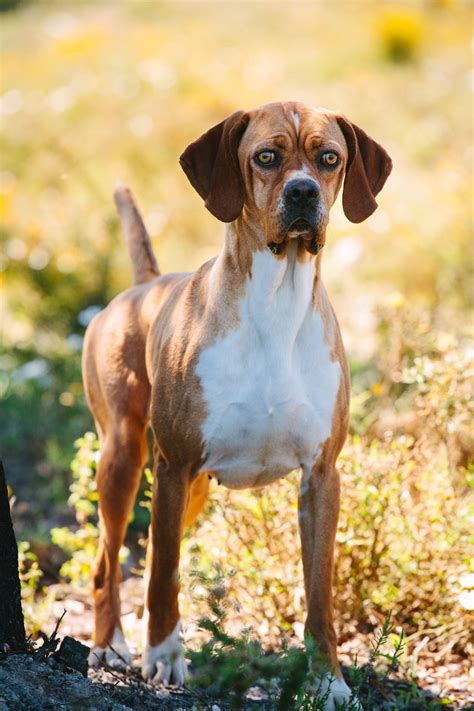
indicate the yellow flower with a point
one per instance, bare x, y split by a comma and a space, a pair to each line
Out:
376, 389
400, 33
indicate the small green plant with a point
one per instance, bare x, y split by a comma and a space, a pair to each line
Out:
80, 546
362, 677
230, 664
30, 574
83, 498
29, 569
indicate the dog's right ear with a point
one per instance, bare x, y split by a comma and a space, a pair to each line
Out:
212, 166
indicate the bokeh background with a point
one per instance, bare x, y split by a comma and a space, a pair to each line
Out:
96, 92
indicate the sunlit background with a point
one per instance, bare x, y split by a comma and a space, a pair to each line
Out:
96, 92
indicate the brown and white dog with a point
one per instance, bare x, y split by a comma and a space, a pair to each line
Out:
239, 367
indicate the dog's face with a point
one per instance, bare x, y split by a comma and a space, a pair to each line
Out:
293, 161
281, 166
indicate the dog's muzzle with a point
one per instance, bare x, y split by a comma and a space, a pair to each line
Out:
300, 215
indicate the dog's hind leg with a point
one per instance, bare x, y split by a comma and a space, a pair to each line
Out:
123, 453
118, 393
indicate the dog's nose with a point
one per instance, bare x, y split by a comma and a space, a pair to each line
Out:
299, 191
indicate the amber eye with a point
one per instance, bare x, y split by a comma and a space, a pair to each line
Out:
266, 158
329, 159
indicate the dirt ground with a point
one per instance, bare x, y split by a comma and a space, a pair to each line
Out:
26, 683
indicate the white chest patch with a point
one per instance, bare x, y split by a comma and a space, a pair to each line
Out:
270, 385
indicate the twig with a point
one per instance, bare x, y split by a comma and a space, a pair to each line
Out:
50, 643
127, 664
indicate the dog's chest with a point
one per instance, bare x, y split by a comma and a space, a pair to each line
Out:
270, 385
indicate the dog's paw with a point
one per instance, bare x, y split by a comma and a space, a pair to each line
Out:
116, 655
337, 695
164, 663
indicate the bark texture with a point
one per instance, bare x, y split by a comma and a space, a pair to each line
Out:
12, 628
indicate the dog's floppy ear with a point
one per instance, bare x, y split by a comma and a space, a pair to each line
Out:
368, 167
212, 166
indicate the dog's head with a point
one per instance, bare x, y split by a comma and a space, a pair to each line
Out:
283, 165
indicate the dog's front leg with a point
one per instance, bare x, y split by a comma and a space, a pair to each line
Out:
163, 660
318, 514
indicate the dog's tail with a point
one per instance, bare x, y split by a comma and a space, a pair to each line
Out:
138, 241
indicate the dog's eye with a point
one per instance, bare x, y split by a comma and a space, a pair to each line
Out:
329, 159
266, 158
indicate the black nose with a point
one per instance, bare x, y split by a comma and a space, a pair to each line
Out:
299, 191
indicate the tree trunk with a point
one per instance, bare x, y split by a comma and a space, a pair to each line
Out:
12, 628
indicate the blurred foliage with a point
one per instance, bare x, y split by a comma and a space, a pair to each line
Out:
81, 547
84, 497
6, 5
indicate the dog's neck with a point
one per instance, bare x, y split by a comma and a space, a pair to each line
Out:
290, 283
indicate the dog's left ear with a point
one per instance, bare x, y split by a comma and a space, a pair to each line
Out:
368, 167
212, 166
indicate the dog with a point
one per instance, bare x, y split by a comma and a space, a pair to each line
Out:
239, 368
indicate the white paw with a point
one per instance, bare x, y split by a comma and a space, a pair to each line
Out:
164, 663
337, 694
116, 655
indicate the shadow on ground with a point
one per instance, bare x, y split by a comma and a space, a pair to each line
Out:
26, 683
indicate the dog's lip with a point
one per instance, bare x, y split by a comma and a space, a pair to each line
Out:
310, 242
301, 224
301, 227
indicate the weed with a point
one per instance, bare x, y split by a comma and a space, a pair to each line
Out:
227, 664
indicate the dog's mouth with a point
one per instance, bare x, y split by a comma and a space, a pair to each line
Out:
300, 228
303, 231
